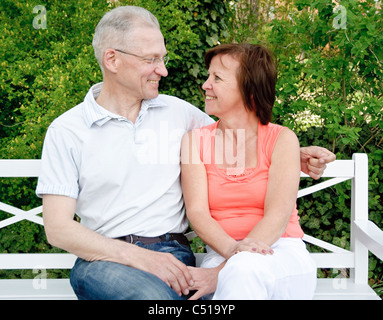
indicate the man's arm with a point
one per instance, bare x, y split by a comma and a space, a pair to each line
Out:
64, 232
314, 160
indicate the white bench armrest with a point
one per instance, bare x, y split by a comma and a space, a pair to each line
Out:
370, 236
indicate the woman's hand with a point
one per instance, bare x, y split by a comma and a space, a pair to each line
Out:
251, 245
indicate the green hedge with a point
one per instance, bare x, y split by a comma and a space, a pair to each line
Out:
44, 72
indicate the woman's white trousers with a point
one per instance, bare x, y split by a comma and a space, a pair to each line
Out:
290, 273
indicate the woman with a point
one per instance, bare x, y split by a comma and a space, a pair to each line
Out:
240, 179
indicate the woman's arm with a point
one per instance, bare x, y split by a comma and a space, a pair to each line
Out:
195, 191
282, 189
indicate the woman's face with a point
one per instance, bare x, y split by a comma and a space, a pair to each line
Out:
223, 96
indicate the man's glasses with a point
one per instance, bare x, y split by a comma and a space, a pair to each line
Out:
165, 59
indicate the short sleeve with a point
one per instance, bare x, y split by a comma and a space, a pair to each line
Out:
197, 118
59, 169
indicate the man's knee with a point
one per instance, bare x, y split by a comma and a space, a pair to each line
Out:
102, 280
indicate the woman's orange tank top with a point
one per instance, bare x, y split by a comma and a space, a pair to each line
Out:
237, 201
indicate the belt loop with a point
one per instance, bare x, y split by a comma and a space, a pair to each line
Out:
131, 238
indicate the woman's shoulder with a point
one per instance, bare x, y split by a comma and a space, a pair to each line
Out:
273, 130
210, 127
206, 130
274, 135
272, 127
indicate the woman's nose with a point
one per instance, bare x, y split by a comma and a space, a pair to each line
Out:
206, 85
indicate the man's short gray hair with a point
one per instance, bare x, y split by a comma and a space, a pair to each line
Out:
117, 25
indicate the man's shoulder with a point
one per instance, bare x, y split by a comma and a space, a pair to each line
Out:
176, 104
172, 100
71, 117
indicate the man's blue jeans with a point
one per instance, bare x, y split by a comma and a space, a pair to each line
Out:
103, 280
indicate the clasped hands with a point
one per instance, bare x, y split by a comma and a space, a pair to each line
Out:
185, 279
205, 279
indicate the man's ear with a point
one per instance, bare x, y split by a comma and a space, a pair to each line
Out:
110, 60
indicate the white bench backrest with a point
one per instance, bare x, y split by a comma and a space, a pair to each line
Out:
357, 257
37, 261
340, 170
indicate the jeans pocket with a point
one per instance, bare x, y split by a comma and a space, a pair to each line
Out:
180, 251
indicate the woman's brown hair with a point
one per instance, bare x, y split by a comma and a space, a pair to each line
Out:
257, 76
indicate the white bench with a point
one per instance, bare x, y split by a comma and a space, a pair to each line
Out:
365, 237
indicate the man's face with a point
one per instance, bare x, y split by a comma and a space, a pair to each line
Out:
138, 76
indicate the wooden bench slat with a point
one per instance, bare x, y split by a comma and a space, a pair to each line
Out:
323, 244
338, 168
35, 289
371, 236
343, 289
36, 261
60, 289
22, 168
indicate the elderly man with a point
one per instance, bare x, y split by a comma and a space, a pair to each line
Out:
114, 161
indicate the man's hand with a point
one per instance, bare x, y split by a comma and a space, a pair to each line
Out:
168, 268
314, 160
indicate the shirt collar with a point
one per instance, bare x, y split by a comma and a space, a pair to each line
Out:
95, 114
